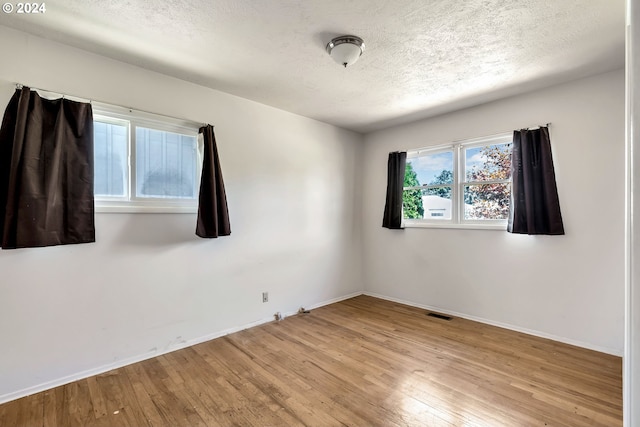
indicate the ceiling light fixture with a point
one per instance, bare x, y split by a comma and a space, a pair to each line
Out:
345, 50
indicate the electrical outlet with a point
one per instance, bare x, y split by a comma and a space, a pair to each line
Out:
265, 297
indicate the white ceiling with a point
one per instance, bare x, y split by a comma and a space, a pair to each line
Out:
422, 57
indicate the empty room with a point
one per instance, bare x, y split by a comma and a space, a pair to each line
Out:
336, 213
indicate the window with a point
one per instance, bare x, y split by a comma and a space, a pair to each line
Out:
144, 162
467, 184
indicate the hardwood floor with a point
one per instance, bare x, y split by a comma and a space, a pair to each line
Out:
360, 362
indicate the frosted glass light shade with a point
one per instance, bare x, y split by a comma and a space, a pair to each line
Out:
345, 50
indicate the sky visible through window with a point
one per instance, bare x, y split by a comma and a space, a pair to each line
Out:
475, 158
430, 167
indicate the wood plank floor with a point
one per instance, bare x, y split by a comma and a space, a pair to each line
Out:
360, 362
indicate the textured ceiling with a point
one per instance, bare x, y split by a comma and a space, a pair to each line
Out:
422, 57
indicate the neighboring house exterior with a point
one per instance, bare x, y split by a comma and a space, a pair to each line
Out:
436, 207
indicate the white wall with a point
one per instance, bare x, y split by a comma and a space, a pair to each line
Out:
149, 285
570, 288
631, 378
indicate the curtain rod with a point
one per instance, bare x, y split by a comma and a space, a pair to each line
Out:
458, 141
504, 132
91, 101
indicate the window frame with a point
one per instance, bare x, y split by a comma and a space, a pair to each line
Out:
131, 203
458, 148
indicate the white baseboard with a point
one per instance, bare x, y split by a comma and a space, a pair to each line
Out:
612, 351
335, 300
149, 355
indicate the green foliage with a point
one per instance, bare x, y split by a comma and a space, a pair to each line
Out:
445, 177
412, 199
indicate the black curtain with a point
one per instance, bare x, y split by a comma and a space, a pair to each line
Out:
395, 182
213, 214
46, 172
535, 208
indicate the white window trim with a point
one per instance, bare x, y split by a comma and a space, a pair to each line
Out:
131, 204
457, 220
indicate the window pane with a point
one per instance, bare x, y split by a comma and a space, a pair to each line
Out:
429, 169
431, 203
165, 164
486, 201
488, 163
110, 159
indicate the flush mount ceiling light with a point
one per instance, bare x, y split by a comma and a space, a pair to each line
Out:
345, 50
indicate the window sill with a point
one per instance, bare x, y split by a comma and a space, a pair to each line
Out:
502, 226
143, 207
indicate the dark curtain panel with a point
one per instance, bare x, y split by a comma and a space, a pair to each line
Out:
213, 215
395, 182
46, 172
535, 208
